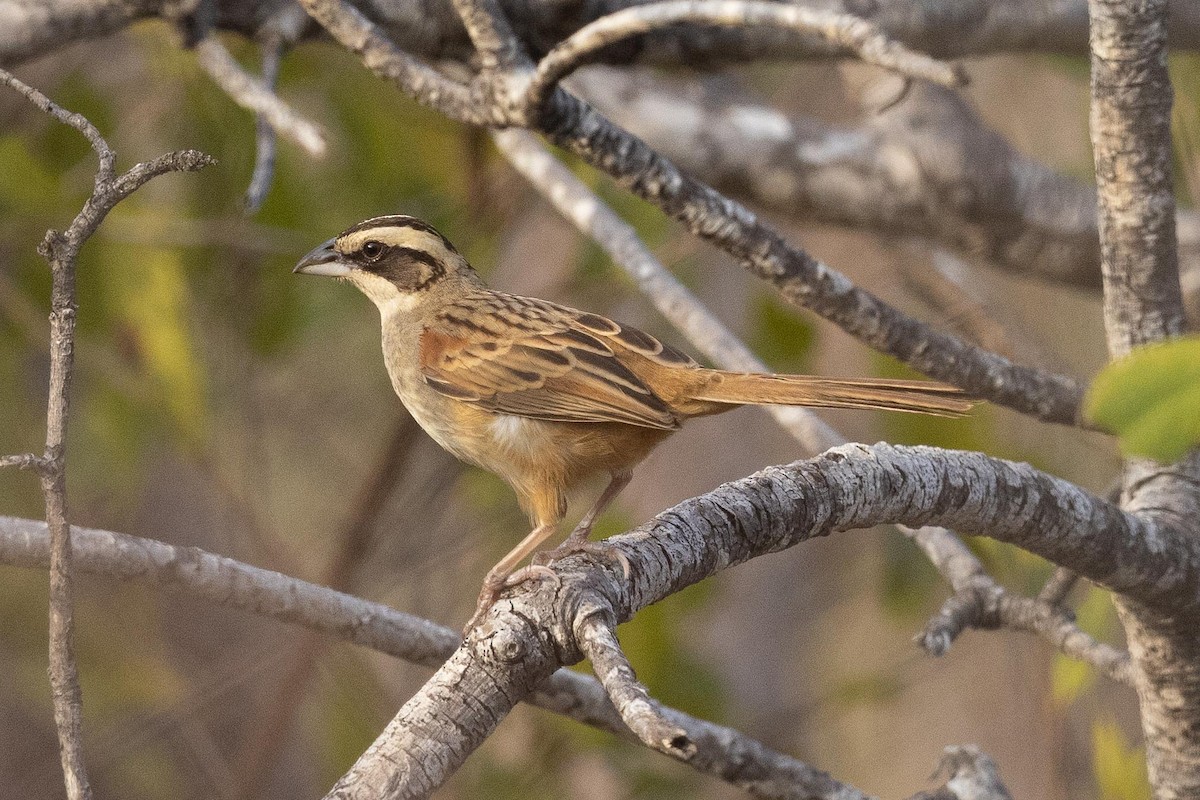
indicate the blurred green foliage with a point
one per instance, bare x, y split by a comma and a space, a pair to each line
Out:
1120, 768
1070, 678
779, 335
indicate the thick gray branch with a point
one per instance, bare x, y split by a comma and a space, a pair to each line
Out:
530, 631
925, 166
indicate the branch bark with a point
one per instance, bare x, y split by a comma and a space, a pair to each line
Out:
978, 601
926, 166
1131, 139
531, 630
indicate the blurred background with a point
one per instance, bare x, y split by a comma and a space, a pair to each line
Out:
224, 403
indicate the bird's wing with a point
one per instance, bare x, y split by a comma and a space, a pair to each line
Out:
527, 357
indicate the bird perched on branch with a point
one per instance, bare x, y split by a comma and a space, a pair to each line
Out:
544, 395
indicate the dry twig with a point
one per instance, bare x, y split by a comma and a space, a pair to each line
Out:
60, 249
853, 33
258, 96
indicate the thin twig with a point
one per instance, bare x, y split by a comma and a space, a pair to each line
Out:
60, 250
979, 601
853, 33
282, 29
21, 461
989, 606
598, 641
256, 95
1061, 583
264, 134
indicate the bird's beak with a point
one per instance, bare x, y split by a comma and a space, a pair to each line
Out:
323, 260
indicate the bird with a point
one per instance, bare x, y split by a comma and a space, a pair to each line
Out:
547, 396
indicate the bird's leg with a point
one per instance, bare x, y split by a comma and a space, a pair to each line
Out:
505, 573
578, 542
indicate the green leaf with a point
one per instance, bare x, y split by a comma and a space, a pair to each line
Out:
1151, 399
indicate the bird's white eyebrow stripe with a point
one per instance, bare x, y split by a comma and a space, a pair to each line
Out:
397, 236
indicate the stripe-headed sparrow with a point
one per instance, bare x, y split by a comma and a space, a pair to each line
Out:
544, 395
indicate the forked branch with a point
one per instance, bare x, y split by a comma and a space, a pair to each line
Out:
60, 249
529, 633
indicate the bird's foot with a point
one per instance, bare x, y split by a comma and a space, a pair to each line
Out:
579, 544
493, 585
530, 573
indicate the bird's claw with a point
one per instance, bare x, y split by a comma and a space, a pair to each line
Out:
494, 585
572, 546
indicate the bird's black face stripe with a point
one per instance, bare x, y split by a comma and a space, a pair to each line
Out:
411, 270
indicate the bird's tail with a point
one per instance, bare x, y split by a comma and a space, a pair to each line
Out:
750, 388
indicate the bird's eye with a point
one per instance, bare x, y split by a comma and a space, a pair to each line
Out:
372, 250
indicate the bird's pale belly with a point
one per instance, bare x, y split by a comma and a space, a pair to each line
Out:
532, 455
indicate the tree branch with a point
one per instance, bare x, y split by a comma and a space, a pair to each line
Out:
945, 29
21, 461
358, 35
598, 641
1131, 141
978, 600
989, 606
60, 250
258, 96
926, 166
853, 33
530, 631
721, 752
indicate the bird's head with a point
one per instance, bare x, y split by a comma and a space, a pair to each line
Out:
397, 261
